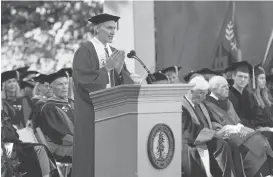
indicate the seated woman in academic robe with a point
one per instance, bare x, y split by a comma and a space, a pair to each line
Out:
256, 151
35, 159
56, 121
18, 108
263, 119
203, 153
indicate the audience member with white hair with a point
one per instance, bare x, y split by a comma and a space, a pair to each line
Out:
57, 118
198, 137
257, 156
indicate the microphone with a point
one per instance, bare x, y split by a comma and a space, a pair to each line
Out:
150, 77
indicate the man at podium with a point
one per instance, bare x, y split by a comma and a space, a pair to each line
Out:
96, 66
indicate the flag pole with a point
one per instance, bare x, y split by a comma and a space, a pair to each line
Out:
239, 52
267, 49
233, 11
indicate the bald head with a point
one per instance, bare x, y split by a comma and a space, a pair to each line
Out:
219, 86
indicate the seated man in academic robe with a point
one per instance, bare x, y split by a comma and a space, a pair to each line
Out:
199, 141
57, 118
239, 94
255, 149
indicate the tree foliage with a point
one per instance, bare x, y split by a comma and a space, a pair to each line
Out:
44, 34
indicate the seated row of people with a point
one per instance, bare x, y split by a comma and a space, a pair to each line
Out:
224, 124
224, 118
49, 109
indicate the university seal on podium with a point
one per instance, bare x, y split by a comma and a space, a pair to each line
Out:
161, 146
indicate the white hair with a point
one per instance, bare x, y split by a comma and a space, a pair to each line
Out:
214, 82
200, 83
95, 29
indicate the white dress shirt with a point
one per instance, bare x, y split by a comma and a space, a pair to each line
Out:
214, 96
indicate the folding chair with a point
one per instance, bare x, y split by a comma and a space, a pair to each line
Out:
63, 167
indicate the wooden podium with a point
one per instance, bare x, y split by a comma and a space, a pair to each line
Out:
138, 130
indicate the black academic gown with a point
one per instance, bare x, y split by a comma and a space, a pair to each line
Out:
264, 118
18, 110
243, 105
56, 120
35, 99
88, 77
220, 154
253, 154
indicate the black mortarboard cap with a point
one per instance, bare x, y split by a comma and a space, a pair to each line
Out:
24, 84
22, 71
101, 18
42, 78
189, 76
52, 77
242, 66
208, 71
159, 76
171, 69
68, 71
8, 75
27, 76
258, 69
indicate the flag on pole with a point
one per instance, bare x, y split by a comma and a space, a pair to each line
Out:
267, 61
227, 49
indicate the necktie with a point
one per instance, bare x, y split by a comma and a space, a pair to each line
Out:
107, 53
111, 77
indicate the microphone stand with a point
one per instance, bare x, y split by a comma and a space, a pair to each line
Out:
150, 77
